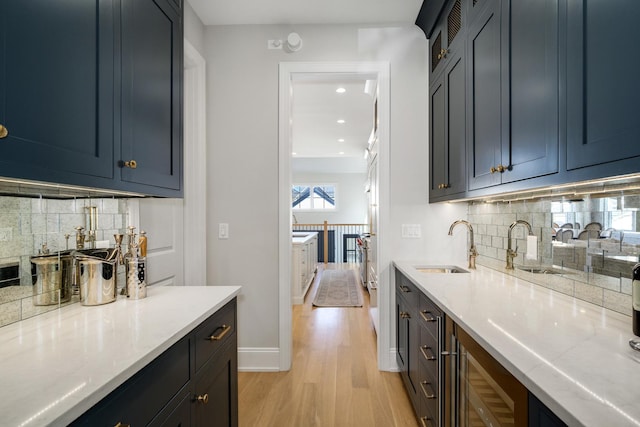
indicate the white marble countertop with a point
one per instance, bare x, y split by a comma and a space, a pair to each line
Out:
56, 366
574, 356
301, 237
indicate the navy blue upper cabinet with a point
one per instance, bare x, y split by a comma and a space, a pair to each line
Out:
484, 105
447, 37
56, 90
512, 117
152, 95
447, 130
603, 87
533, 96
91, 93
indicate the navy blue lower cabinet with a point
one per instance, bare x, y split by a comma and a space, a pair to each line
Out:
141, 398
541, 416
182, 387
56, 90
602, 82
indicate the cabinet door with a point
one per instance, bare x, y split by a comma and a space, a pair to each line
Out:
56, 90
530, 90
541, 416
447, 130
447, 37
152, 94
402, 334
484, 115
216, 390
176, 414
602, 81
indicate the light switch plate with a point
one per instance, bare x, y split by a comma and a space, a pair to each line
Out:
411, 231
223, 230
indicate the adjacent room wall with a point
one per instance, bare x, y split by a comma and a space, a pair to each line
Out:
351, 200
242, 85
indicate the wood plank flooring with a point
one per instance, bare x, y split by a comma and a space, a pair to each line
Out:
334, 379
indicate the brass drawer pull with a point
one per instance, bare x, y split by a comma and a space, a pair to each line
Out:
225, 330
424, 349
122, 425
203, 398
405, 289
428, 395
426, 422
405, 315
3, 132
424, 313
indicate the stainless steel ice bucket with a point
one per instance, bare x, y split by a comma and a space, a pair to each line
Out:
98, 280
53, 278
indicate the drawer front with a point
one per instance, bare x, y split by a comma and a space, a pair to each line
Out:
408, 290
428, 314
428, 407
138, 400
214, 332
428, 357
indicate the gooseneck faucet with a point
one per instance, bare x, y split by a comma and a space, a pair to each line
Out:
473, 253
511, 254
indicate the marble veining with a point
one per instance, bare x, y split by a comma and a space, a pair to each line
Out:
58, 365
573, 355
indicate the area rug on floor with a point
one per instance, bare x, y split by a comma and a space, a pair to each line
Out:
338, 288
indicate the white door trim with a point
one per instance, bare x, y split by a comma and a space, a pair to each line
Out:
286, 71
195, 168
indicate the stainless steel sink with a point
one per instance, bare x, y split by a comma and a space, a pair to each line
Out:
440, 269
540, 270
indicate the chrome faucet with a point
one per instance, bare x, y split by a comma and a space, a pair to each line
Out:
511, 254
473, 253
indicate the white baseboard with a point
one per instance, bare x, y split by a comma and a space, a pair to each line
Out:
393, 365
258, 359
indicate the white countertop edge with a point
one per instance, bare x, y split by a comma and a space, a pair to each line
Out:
523, 370
63, 413
302, 237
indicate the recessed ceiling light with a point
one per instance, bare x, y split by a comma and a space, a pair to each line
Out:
341, 90
341, 121
294, 153
342, 152
341, 140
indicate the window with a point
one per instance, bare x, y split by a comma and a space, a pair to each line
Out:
313, 197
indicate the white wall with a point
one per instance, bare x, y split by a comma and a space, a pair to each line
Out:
351, 200
242, 84
193, 28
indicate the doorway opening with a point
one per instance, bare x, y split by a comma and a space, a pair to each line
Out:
329, 152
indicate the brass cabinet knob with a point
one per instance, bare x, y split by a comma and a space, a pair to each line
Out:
122, 425
498, 168
130, 164
203, 398
3, 132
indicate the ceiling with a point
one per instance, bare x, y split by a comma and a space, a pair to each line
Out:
316, 109
224, 12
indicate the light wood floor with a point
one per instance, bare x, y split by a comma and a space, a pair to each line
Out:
334, 379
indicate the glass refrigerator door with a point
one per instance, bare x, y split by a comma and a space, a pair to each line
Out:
488, 394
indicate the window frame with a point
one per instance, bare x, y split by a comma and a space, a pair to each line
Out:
312, 197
